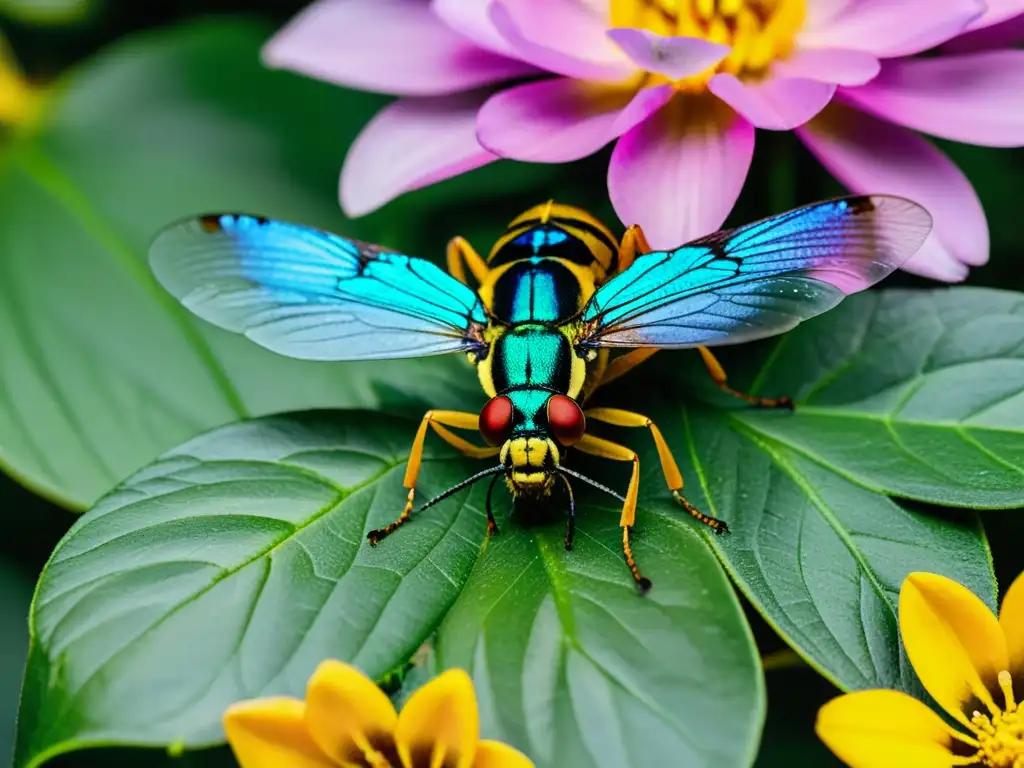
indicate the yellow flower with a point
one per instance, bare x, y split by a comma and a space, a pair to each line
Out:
968, 661
347, 721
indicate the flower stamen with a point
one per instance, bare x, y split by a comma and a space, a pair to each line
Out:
757, 31
1001, 734
1006, 684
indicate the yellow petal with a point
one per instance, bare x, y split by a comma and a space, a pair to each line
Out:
346, 713
885, 729
440, 721
494, 754
953, 641
1011, 619
269, 733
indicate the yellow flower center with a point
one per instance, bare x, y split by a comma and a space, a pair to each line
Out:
757, 31
1000, 735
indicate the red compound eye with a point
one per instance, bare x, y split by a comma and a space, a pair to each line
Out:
496, 420
566, 419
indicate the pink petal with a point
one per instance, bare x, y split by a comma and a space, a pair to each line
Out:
674, 57
889, 27
678, 173
829, 65
869, 155
977, 98
644, 104
998, 11
777, 104
561, 36
391, 46
470, 18
555, 121
411, 144
1006, 34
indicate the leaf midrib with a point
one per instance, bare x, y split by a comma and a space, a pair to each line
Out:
561, 595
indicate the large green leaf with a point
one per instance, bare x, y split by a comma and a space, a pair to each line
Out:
102, 370
230, 568
233, 565
914, 394
918, 394
576, 669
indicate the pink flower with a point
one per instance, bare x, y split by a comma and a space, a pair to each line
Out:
679, 86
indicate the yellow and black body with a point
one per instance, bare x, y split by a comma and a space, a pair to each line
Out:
535, 282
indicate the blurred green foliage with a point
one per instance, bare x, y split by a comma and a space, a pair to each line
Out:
59, 45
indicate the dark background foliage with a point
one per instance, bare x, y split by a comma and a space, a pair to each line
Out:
783, 175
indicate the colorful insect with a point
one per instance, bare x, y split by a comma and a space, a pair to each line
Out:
557, 294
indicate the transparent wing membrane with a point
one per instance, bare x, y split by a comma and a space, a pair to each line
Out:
757, 280
312, 295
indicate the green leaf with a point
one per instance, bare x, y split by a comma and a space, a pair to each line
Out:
914, 394
910, 393
230, 568
576, 670
233, 565
102, 369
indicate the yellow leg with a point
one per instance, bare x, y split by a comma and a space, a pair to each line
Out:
437, 420
669, 468
606, 449
718, 374
625, 363
460, 255
633, 244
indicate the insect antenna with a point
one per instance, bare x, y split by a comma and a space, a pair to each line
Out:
459, 486
585, 479
643, 584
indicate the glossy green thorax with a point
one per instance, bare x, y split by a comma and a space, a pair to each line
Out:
531, 355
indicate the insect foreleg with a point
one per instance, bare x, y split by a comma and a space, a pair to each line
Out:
437, 420
718, 374
461, 255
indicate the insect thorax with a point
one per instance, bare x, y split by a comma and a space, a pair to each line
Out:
547, 265
534, 357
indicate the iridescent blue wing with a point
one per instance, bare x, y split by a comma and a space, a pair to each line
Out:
758, 280
313, 295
